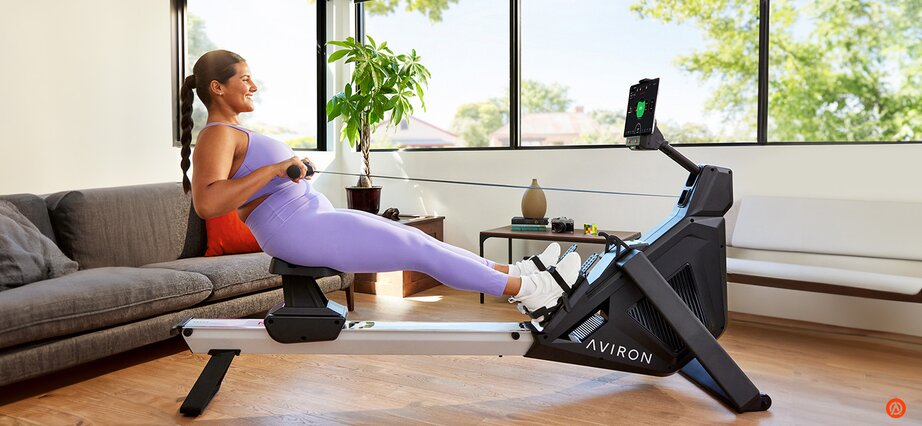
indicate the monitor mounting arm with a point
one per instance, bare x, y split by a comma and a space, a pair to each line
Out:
655, 141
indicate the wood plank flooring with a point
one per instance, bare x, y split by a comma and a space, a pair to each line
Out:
815, 375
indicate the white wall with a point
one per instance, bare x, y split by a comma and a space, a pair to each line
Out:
87, 95
88, 104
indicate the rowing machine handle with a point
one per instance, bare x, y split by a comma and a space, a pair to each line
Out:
294, 171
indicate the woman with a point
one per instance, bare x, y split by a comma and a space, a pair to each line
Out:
237, 169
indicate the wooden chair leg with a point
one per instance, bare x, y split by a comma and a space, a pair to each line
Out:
350, 298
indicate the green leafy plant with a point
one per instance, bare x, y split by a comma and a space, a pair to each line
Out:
382, 85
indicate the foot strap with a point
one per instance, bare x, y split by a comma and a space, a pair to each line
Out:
546, 311
562, 302
537, 261
559, 280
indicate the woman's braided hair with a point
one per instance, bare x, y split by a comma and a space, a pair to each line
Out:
215, 65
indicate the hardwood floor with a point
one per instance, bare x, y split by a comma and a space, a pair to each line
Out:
814, 374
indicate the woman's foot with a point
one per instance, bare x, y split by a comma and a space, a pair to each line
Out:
541, 289
529, 266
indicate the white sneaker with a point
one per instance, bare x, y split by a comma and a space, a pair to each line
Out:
547, 291
528, 266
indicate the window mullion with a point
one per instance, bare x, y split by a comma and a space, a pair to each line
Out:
321, 75
515, 73
762, 108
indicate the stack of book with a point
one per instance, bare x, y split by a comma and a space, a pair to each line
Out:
528, 224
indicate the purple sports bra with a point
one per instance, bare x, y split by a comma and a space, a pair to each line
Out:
261, 151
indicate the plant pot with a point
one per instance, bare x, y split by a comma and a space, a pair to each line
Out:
364, 199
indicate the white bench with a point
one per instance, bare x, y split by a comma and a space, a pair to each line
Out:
857, 248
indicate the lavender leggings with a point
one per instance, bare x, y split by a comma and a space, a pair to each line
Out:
299, 225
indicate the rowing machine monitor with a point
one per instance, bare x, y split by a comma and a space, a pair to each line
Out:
640, 124
641, 112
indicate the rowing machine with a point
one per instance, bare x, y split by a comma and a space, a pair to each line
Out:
651, 306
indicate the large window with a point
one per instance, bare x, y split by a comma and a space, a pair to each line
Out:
279, 41
465, 45
580, 57
810, 71
539, 73
845, 71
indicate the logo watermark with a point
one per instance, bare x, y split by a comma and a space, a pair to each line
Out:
896, 408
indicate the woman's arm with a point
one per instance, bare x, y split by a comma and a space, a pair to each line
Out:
213, 192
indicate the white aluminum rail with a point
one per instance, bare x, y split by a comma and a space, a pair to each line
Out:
366, 338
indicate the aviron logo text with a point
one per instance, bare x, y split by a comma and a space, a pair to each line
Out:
620, 351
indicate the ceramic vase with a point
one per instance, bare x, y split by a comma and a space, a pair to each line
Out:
534, 205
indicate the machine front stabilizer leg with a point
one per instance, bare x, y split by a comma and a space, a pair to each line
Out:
712, 369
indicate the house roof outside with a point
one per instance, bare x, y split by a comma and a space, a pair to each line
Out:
548, 128
416, 133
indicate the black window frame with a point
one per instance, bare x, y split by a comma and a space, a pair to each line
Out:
178, 51
178, 9
515, 121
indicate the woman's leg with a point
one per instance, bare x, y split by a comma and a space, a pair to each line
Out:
456, 249
317, 234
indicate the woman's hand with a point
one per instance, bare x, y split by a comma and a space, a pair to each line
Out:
305, 160
282, 168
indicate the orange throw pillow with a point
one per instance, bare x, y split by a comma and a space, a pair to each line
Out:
229, 235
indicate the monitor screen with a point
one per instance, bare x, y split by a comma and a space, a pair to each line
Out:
641, 105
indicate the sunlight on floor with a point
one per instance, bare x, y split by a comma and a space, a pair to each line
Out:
423, 298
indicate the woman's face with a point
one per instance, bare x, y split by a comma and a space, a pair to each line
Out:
239, 90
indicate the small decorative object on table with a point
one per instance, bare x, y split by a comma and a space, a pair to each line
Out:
561, 224
520, 223
392, 213
534, 204
590, 229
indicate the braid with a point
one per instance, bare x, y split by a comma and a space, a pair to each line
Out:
185, 134
216, 65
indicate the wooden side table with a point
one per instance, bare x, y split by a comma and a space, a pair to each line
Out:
570, 237
403, 283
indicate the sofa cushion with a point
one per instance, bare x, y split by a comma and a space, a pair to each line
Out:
32, 360
26, 255
91, 299
230, 275
237, 274
33, 207
127, 225
845, 227
833, 276
909, 268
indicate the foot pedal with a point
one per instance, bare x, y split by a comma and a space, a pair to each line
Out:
569, 250
544, 312
584, 270
588, 327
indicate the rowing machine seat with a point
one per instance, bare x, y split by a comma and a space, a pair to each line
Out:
281, 267
306, 314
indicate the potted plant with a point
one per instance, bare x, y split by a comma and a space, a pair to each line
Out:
380, 90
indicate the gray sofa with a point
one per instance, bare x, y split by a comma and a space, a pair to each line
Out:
141, 272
